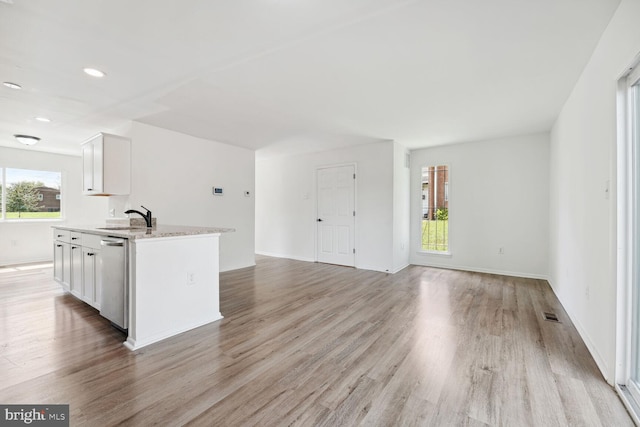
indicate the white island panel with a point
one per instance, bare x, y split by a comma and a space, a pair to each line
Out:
174, 286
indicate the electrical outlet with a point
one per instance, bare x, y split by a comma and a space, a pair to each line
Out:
191, 278
501, 250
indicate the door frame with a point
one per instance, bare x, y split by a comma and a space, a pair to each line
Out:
355, 206
627, 170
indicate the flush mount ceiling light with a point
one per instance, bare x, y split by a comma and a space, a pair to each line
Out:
12, 85
26, 139
94, 72
43, 119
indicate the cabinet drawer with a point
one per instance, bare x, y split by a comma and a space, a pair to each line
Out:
91, 240
62, 235
76, 238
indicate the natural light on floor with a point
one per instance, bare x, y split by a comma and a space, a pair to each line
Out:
14, 268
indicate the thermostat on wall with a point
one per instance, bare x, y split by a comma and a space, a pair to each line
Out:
217, 191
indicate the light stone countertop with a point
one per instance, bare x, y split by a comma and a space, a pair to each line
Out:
134, 233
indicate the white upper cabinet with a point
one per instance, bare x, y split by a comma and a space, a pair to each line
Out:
106, 165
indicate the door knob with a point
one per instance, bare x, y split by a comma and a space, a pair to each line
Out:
319, 219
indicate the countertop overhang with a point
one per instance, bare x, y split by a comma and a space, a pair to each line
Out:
134, 233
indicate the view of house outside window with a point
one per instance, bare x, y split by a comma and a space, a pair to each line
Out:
30, 194
435, 208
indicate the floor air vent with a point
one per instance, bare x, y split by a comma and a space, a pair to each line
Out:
551, 317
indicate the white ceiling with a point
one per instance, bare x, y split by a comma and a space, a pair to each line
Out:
293, 75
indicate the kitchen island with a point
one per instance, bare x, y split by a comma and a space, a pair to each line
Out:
172, 279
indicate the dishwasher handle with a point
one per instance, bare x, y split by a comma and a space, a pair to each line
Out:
112, 242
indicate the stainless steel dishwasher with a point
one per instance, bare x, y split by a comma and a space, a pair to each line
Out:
115, 279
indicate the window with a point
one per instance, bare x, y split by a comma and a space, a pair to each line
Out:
435, 209
30, 194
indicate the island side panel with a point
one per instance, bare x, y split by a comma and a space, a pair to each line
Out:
174, 286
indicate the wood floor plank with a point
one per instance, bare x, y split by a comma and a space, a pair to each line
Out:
578, 405
514, 388
312, 344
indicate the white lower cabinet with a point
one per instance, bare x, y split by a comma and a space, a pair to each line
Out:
90, 277
62, 258
75, 285
58, 261
76, 265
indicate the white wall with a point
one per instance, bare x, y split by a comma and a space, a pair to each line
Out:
498, 197
31, 241
401, 208
582, 221
173, 173
286, 204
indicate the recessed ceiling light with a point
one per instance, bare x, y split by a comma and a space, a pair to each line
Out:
94, 72
26, 139
43, 119
12, 85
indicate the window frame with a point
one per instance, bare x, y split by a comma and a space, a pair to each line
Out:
448, 253
3, 194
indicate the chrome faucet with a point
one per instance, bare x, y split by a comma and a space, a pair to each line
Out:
147, 216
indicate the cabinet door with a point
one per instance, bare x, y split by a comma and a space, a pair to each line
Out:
75, 284
88, 275
66, 265
97, 282
92, 165
58, 255
87, 167
98, 164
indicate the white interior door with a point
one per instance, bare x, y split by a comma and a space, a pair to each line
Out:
336, 215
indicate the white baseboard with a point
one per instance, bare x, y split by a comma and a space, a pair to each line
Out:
401, 268
450, 267
133, 344
372, 268
593, 350
486, 270
297, 258
236, 267
18, 261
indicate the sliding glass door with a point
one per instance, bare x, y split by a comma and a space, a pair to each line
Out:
633, 93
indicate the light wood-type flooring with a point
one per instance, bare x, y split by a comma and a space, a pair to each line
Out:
313, 345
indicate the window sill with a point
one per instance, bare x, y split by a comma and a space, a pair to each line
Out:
438, 254
30, 220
